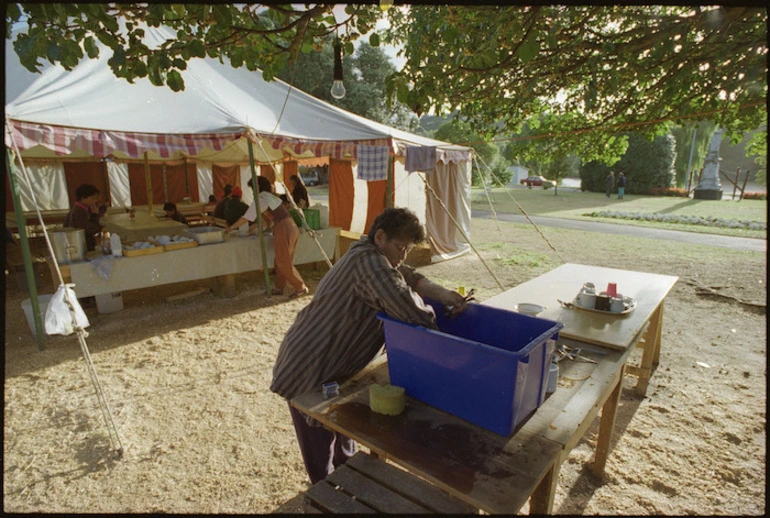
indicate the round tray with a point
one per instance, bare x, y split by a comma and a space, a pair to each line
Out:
629, 304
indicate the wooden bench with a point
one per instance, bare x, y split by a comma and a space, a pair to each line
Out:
365, 484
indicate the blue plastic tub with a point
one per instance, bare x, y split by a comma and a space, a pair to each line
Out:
488, 366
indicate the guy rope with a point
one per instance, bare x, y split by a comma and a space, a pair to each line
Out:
104, 406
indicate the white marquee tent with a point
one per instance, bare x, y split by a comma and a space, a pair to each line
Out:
87, 113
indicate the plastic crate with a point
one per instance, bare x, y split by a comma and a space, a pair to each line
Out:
487, 365
313, 218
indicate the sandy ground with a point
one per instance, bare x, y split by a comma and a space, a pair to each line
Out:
188, 381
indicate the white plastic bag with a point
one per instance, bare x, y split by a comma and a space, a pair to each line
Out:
58, 320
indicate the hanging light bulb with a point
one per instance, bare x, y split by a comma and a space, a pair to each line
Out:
338, 87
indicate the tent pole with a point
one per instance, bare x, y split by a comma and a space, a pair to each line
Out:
391, 181
26, 253
255, 191
148, 182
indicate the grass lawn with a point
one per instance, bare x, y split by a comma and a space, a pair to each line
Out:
571, 203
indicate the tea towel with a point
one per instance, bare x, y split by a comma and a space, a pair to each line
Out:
420, 158
372, 163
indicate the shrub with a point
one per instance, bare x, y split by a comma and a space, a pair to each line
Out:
668, 191
754, 195
646, 165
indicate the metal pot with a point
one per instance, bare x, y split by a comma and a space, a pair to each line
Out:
69, 246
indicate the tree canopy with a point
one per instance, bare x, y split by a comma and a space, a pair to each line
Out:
587, 73
596, 71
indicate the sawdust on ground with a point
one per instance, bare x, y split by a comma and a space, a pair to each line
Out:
187, 382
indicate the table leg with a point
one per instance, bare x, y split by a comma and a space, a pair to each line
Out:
225, 285
651, 351
606, 427
542, 498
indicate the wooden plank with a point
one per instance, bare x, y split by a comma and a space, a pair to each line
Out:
186, 295
543, 496
330, 500
584, 404
372, 494
564, 283
494, 473
606, 427
412, 487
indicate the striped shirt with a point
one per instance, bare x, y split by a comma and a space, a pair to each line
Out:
338, 333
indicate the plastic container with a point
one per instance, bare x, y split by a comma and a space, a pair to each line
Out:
323, 210
553, 378
313, 218
116, 247
486, 365
26, 305
109, 302
206, 235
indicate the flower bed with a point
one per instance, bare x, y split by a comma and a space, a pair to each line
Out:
708, 221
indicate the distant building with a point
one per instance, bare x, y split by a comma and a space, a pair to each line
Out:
519, 173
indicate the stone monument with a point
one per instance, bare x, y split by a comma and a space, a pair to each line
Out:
709, 187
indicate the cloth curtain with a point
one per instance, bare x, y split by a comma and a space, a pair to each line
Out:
205, 180
341, 194
120, 189
248, 194
376, 202
269, 172
138, 182
48, 182
451, 183
95, 173
224, 175
290, 168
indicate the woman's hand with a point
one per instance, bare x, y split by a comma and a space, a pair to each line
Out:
449, 298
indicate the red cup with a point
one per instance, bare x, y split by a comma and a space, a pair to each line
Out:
612, 289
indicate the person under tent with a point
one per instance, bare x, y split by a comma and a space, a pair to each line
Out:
85, 213
299, 192
173, 213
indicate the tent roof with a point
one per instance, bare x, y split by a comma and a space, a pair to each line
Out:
89, 108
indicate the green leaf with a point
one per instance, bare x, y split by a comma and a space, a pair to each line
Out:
222, 15
374, 40
155, 74
529, 49
236, 58
92, 50
174, 80
348, 48
197, 49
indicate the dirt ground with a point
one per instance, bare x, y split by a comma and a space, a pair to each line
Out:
187, 383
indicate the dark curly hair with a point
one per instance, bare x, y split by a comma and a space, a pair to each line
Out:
263, 184
398, 223
85, 190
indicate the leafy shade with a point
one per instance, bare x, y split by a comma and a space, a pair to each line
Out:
595, 71
646, 164
255, 35
459, 132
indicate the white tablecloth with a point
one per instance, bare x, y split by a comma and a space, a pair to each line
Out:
235, 255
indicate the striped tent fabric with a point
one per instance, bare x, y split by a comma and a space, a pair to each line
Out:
339, 150
62, 140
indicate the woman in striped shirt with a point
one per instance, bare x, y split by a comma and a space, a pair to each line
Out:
337, 334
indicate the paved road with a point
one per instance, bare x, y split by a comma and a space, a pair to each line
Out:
736, 243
